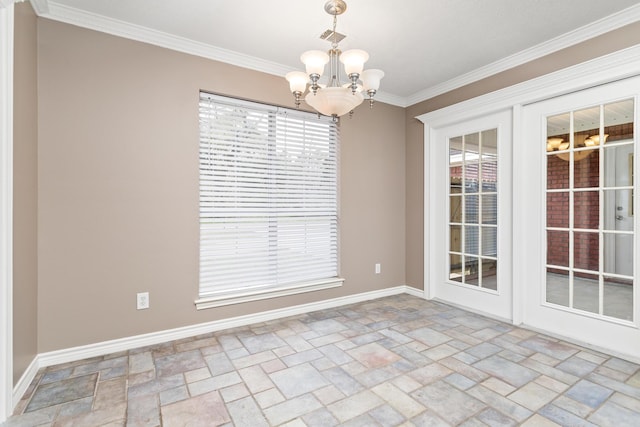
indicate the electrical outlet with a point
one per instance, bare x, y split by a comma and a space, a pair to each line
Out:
142, 300
378, 268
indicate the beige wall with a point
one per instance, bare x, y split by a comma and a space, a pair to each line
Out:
607, 43
118, 187
25, 181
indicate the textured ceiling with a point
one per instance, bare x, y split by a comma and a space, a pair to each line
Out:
420, 44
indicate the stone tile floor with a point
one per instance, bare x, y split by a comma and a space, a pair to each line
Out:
396, 361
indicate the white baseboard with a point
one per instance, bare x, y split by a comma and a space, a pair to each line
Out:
73, 354
25, 381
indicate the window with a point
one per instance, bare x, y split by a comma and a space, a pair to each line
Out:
473, 209
268, 201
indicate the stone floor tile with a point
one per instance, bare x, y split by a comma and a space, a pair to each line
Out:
615, 385
204, 410
564, 418
343, 381
141, 362
401, 402
429, 336
493, 418
218, 364
155, 386
269, 398
622, 365
320, 418
613, 415
179, 363
451, 404
576, 408
551, 384
197, 375
501, 403
196, 344
362, 361
254, 359
214, 383
62, 391
577, 366
459, 381
353, 406
429, 419
328, 394
539, 421
498, 386
509, 372
385, 415
245, 413
143, 412
298, 380
234, 392
440, 352
549, 347
75, 407
291, 409
533, 396
464, 369
110, 393
589, 393
173, 395
116, 413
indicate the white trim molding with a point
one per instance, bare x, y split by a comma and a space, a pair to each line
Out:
59, 12
6, 210
256, 295
123, 344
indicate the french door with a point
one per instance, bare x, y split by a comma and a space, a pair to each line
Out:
470, 218
575, 211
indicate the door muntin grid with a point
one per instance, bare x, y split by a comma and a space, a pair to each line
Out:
590, 228
473, 210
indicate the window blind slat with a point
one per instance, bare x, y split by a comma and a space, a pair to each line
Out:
268, 196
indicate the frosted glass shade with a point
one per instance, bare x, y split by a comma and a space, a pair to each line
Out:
354, 60
297, 81
371, 79
334, 100
314, 61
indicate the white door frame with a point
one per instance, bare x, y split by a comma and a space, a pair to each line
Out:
6, 210
608, 68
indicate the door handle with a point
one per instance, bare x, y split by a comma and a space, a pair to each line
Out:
619, 217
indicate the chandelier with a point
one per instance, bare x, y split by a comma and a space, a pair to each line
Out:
333, 98
587, 142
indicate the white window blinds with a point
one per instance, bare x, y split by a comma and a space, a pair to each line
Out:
268, 197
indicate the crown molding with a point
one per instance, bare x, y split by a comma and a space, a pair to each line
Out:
589, 31
58, 12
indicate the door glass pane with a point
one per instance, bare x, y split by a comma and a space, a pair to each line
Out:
558, 248
586, 210
471, 276
618, 298
455, 267
590, 209
489, 209
473, 209
489, 274
558, 287
558, 210
586, 292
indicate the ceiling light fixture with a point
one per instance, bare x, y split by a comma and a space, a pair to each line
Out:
334, 99
558, 144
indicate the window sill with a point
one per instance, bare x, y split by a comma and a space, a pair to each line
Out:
227, 298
